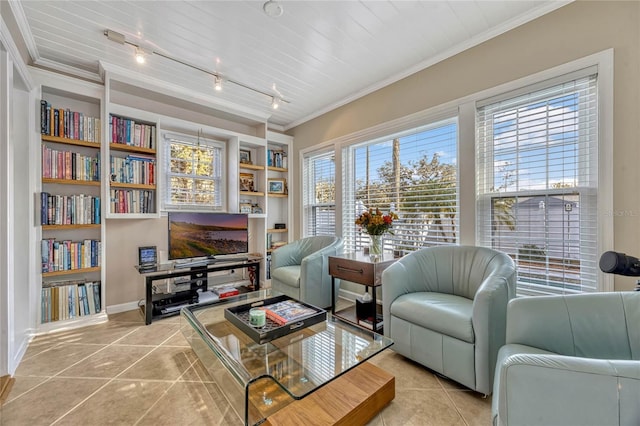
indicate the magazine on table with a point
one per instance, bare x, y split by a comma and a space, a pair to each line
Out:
287, 311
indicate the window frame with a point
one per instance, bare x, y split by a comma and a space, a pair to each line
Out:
221, 181
465, 107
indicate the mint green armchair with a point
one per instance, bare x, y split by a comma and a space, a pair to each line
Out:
445, 307
570, 360
301, 269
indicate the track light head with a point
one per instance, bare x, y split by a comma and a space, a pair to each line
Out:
140, 55
218, 83
275, 102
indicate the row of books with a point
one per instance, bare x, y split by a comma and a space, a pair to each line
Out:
127, 132
67, 300
69, 124
69, 165
277, 159
131, 201
78, 209
368, 322
69, 255
287, 311
133, 169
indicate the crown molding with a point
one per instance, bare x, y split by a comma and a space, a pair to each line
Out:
7, 41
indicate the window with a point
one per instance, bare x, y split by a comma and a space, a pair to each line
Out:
319, 194
194, 173
538, 182
414, 174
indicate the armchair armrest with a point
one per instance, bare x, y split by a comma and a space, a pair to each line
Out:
489, 318
286, 255
314, 271
555, 389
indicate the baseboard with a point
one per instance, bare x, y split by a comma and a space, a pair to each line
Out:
6, 383
123, 307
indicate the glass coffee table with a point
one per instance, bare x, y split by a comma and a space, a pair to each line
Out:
260, 380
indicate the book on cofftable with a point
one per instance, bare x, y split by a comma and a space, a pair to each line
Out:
287, 311
226, 291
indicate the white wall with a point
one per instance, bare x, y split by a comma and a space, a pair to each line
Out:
17, 312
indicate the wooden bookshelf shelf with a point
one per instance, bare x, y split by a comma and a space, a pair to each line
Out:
277, 195
71, 271
63, 227
278, 169
129, 148
67, 141
275, 231
132, 185
254, 194
251, 166
71, 181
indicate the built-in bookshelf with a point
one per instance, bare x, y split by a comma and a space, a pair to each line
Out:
132, 167
68, 300
278, 179
70, 207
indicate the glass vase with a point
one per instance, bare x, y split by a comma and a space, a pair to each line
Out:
375, 246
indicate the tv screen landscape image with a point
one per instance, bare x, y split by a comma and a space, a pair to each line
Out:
207, 234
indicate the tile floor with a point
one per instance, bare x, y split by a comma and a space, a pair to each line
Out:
125, 373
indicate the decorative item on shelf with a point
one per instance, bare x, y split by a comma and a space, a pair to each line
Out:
280, 226
245, 208
277, 186
255, 208
374, 223
245, 156
246, 182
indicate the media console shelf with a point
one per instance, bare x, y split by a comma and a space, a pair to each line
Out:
161, 305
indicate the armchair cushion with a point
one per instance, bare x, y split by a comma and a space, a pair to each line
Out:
444, 313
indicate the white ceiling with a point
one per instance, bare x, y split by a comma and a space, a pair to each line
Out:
318, 54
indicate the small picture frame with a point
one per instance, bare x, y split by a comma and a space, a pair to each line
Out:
246, 182
245, 156
277, 186
246, 208
147, 256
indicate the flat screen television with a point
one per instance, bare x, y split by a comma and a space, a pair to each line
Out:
194, 235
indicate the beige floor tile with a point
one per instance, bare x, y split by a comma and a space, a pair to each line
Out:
121, 402
408, 374
108, 363
191, 404
475, 409
24, 384
420, 408
163, 363
135, 316
49, 401
55, 360
196, 373
98, 334
176, 340
153, 334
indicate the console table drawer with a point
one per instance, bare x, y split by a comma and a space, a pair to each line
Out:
349, 270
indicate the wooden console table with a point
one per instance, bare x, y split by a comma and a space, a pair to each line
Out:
361, 269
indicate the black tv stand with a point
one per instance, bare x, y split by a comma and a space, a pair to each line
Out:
168, 304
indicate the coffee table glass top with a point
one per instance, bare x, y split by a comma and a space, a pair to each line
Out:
297, 363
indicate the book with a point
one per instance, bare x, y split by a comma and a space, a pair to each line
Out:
225, 291
368, 322
287, 311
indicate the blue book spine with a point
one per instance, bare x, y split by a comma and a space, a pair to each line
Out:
96, 295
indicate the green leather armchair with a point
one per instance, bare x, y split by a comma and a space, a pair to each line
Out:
570, 360
445, 307
301, 269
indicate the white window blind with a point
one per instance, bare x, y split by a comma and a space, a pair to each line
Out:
415, 175
194, 173
319, 194
538, 183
